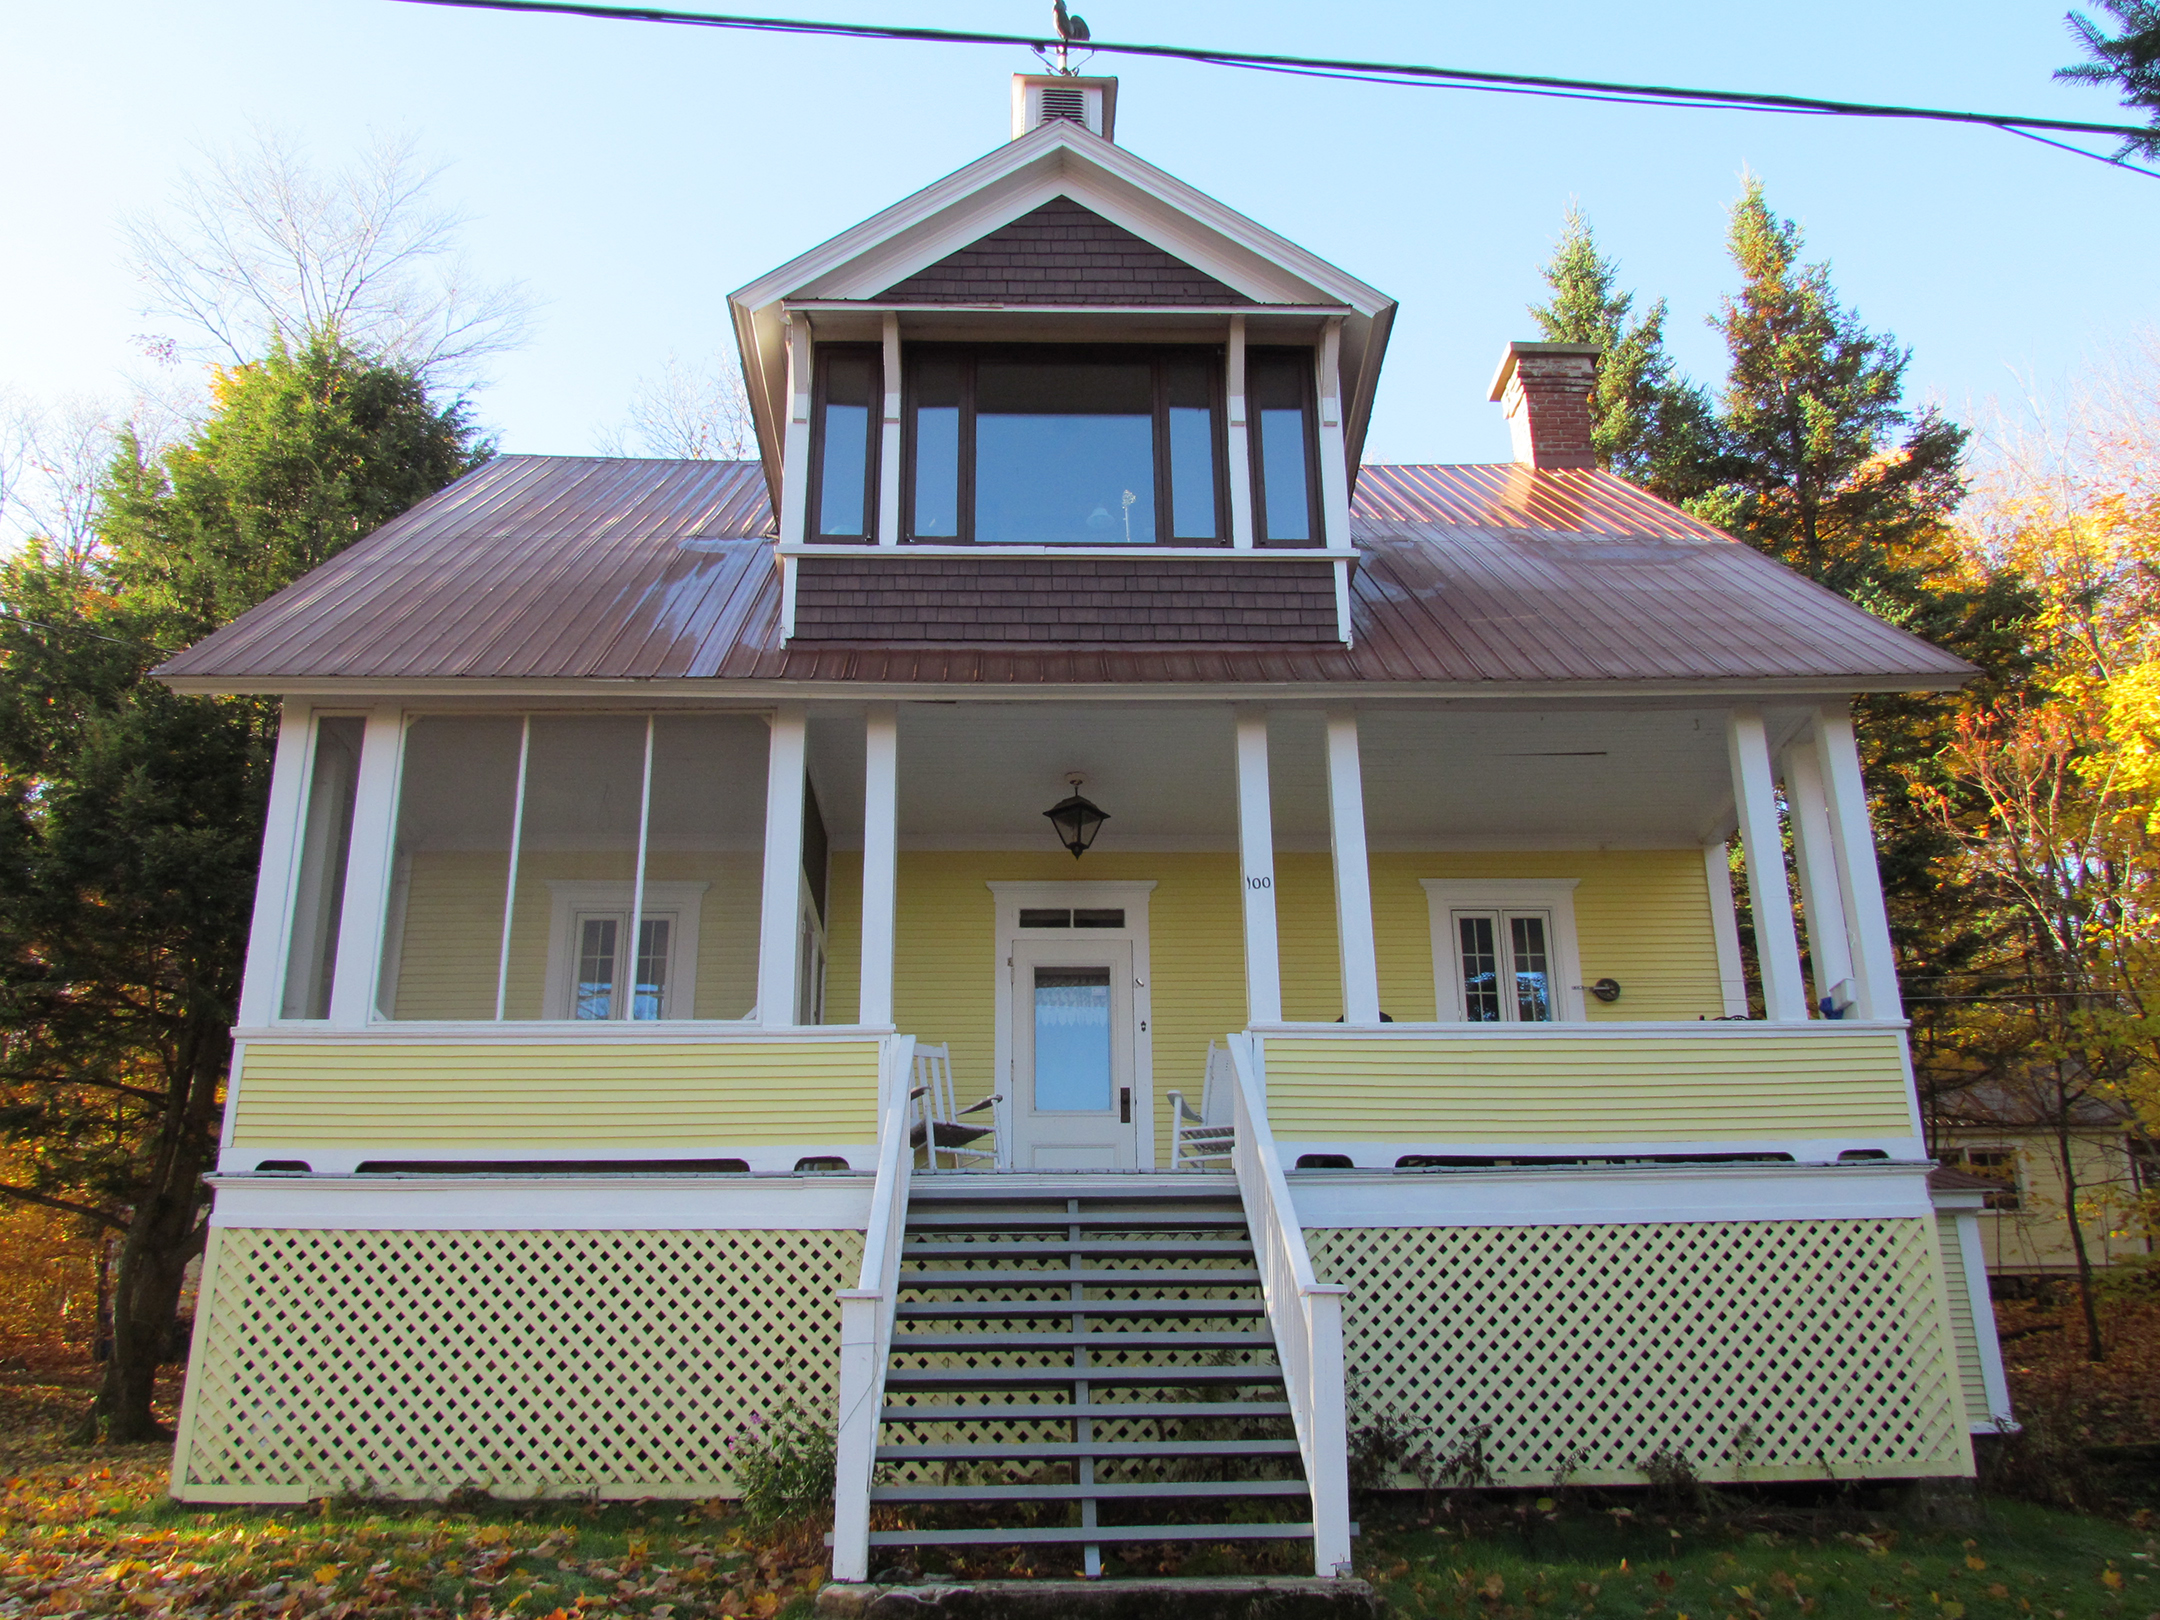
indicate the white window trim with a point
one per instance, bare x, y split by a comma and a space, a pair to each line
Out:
1445, 896
682, 900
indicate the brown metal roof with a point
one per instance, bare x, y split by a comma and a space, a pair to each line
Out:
558, 567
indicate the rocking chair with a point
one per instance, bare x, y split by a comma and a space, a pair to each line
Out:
939, 1124
1206, 1136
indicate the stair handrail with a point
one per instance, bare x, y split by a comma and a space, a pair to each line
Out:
1304, 1314
866, 1319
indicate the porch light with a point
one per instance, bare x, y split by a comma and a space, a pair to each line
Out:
1076, 820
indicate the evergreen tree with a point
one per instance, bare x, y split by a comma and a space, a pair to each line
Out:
2130, 59
131, 817
1648, 425
1823, 467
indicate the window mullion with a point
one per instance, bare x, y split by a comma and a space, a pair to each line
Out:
637, 882
517, 838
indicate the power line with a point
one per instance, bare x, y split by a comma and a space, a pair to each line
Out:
1407, 75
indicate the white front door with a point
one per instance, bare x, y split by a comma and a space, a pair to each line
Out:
1073, 1097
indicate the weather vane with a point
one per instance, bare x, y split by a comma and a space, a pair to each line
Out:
1071, 30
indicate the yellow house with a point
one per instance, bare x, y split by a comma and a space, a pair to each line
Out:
1316, 870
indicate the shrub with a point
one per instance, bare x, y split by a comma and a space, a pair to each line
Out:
784, 1465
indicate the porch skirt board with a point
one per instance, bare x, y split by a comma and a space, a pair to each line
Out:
622, 1364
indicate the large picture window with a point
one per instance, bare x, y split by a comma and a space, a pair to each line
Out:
1046, 445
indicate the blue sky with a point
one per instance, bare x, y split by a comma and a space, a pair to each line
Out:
633, 175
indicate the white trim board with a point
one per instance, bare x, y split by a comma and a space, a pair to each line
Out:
543, 1203
1569, 1196
1807, 1151
345, 1158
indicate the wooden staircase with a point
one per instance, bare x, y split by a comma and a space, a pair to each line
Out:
1082, 1360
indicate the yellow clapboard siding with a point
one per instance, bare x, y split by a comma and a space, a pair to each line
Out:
1712, 1085
622, 1094
1970, 1378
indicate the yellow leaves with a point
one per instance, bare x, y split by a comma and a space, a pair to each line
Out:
1492, 1589
1975, 1561
325, 1574
2111, 1578
1953, 1610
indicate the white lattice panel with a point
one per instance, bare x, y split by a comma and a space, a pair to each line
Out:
1763, 1350
522, 1362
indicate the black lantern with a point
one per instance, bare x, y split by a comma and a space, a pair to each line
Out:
1076, 820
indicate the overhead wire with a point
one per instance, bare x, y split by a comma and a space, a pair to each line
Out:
1406, 75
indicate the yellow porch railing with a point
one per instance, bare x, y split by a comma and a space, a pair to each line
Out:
1590, 1083
536, 1093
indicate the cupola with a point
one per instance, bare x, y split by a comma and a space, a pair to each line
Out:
1048, 98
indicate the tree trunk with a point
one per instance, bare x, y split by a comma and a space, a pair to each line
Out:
2094, 1349
163, 1235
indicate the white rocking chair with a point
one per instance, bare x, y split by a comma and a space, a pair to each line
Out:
938, 1124
1208, 1135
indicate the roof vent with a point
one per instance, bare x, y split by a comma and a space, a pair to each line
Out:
1059, 98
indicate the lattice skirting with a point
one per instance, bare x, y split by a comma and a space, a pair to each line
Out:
523, 1362
1752, 1350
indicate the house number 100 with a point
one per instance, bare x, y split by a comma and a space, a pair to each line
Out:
1259, 882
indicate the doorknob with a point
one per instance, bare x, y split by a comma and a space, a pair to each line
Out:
1124, 1105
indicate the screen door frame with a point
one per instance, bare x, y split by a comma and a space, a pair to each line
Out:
1130, 897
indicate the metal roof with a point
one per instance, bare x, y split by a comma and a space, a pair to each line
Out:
567, 568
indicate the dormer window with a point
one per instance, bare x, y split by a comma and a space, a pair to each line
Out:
1040, 444
844, 494
1286, 481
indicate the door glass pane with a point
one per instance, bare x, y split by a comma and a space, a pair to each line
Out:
596, 967
1189, 380
937, 450
845, 473
1278, 386
1533, 978
1072, 1040
325, 844
1480, 969
1064, 452
442, 940
654, 937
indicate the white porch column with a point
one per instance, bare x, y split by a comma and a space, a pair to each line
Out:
880, 860
1353, 876
1256, 864
780, 917
262, 982
1725, 929
1821, 892
1860, 882
1240, 460
888, 525
367, 871
1777, 951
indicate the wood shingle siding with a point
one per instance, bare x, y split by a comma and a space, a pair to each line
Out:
1062, 600
1062, 253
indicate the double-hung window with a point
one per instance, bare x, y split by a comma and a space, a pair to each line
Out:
1042, 444
1286, 470
844, 432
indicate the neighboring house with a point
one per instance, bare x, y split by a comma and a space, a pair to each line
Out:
647, 835
1994, 1133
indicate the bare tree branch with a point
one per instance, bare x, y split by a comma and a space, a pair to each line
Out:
689, 412
51, 461
66, 1206
258, 242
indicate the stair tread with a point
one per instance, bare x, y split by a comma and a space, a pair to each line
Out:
1102, 1534
1041, 1377
1092, 1279
1031, 1249
991, 1220
1162, 1491
1100, 1341
1102, 1450
1013, 1412
922, 1310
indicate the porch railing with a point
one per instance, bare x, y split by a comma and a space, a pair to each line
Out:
1304, 1314
866, 1320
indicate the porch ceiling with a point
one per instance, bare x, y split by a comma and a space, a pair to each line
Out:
979, 776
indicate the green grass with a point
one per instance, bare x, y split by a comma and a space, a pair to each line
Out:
2003, 1559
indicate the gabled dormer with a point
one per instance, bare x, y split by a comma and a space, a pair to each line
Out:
1061, 395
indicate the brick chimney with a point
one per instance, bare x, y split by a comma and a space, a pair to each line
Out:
1545, 390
